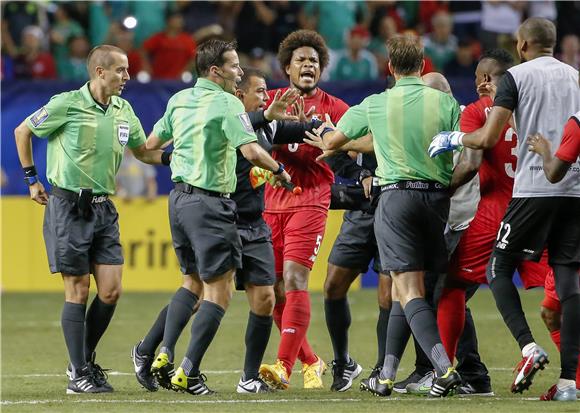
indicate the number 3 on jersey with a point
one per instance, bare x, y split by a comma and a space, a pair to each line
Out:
502, 242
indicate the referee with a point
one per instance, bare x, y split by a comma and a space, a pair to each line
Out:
87, 130
207, 124
542, 93
414, 204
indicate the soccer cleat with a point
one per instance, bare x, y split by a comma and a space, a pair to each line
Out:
468, 389
253, 386
555, 394
163, 370
444, 384
142, 364
377, 386
99, 374
527, 368
374, 373
414, 377
344, 374
423, 386
192, 385
84, 382
313, 374
275, 375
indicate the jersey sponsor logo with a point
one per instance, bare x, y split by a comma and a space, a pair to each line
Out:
245, 119
39, 117
123, 133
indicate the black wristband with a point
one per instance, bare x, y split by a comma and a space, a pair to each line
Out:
325, 130
166, 158
280, 169
30, 171
365, 173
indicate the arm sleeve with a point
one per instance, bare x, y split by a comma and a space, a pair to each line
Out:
257, 119
569, 149
507, 92
236, 124
354, 123
137, 134
344, 166
471, 119
50, 117
293, 132
163, 129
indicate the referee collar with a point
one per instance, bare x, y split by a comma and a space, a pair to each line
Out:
409, 80
208, 84
90, 101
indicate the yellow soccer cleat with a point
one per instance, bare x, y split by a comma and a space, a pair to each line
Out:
313, 374
162, 369
275, 375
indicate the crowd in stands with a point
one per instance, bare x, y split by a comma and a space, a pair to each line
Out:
51, 40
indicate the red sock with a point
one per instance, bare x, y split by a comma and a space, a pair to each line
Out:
306, 355
277, 315
556, 338
451, 318
295, 322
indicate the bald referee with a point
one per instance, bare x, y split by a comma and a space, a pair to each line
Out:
542, 93
87, 131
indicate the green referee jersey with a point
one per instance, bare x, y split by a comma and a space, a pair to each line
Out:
207, 124
403, 120
85, 143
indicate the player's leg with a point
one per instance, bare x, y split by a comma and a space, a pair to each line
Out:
385, 302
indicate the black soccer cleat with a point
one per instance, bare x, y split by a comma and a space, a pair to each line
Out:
256, 385
142, 365
100, 374
83, 382
163, 370
344, 374
377, 386
413, 378
443, 385
192, 385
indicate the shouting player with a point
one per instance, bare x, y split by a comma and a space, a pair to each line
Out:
298, 223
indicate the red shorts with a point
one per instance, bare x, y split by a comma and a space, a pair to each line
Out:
551, 300
471, 256
296, 236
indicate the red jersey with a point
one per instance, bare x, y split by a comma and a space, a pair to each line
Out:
497, 171
299, 160
169, 55
569, 149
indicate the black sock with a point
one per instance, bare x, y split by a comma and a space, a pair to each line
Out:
338, 320
382, 324
422, 362
500, 271
203, 330
257, 337
179, 312
469, 364
155, 334
423, 324
568, 290
398, 333
98, 318
73, 327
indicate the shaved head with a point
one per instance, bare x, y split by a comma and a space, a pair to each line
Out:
539, 32
437, 81
102, 56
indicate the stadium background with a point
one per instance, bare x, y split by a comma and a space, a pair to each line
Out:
150, 261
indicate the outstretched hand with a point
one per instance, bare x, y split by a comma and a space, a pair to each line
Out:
298, 110
279, 106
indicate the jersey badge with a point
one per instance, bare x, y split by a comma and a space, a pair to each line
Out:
123, 133
245, 119
39, 117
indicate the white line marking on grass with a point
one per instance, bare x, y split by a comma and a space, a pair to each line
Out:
145, 401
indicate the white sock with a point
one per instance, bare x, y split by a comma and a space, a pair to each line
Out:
528, 348
566, 384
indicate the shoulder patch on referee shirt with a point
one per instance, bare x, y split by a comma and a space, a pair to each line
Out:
245, 119
38, 117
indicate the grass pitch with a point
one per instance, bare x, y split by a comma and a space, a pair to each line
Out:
34, 361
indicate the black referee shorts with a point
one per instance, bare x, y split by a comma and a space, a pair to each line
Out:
257, 256
409, 227
355, 246
531, 224
204, 233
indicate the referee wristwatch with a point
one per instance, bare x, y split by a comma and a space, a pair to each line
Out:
280, 169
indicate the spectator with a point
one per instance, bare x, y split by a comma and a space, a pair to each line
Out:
168, 54
466, 19
464, 64
31, 62
22, 14
260, 59
63, 29
441, 44
150, 17
76, 64
570, 54
136, 179
254, 20
124, 39
378, 46
499, 21
286, 20
544, 9
378, 10
332, 19
427, 10
355, 62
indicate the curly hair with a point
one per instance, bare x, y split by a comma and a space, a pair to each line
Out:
303, 38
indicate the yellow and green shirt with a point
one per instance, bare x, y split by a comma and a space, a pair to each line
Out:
403, 120
85, 142
206, 124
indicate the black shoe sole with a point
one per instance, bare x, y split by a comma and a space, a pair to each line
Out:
162, 379
527, 380
365, 387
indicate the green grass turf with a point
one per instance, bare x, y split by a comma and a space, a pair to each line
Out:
34, 360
